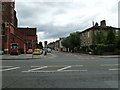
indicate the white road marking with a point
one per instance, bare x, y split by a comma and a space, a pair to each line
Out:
10, 69
74, 70
109, 64
36, 69
116, 69
60, 66
58, 71
64, 68
39, 71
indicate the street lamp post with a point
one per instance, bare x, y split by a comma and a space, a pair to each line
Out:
32, 43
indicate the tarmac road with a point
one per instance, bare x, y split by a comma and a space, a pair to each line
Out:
61, 70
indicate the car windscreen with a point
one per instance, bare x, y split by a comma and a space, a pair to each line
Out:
14, 49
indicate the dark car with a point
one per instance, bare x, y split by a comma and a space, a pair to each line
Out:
14, 52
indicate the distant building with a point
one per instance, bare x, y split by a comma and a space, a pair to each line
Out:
57, 45
51, 45
12, 36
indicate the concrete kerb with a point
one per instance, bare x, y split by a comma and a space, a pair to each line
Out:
24, 57
99, 56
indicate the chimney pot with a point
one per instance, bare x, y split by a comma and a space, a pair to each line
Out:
103, 23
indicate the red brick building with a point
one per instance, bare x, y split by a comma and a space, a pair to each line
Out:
10, 35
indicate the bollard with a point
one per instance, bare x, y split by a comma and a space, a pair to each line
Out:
45, 53
32, 56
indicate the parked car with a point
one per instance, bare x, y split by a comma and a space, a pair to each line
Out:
30, 51
49, 50
37, 52
14, 52
1, 52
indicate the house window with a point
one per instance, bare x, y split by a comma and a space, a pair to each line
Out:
88, 34
84, 43
116, 32
2, 7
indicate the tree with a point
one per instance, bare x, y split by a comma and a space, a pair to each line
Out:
111, 37
66, 42
100, 37
40, 45
72, 41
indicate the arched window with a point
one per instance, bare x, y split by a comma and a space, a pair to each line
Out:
3, 29
13, 39
3, 26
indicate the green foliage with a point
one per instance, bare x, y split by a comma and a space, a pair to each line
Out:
101, 48
72, 41
111, 37
117, 51
66, 43
98, 50
100, 37
21, 50
83, 48
118, 42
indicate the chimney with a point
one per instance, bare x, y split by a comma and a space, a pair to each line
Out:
93, 23
103, 23
96, 24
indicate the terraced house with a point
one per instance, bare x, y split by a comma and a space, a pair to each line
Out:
88, 36
11, 35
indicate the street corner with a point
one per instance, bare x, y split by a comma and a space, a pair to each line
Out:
109, 56
26, 56
50, 55
15, 57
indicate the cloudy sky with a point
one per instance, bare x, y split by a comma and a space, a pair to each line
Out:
58, 18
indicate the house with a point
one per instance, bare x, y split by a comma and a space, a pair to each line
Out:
51, 45
61, 47
88, 36
11, 35
57, 45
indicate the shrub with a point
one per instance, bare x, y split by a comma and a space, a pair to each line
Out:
21, 50
83, 48
99, 49
109, 48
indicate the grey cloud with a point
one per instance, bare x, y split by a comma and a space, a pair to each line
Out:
32, 14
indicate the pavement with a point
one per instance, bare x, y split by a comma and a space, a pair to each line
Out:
99, 56
109, 56
23, 56
50, 55
102, 56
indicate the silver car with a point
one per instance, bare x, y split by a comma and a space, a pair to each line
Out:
1, 52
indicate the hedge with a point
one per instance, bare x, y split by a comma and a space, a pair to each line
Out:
100, 48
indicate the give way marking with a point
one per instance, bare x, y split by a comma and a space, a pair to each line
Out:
8, 68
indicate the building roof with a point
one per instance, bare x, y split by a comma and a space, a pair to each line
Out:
28, 31
99, 27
